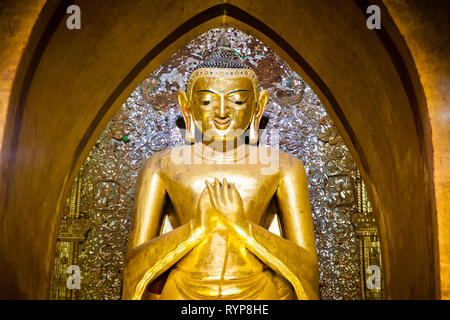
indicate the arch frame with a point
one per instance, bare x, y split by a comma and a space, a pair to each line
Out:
212, 15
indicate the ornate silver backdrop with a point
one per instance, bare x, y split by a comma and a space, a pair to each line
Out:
96, 221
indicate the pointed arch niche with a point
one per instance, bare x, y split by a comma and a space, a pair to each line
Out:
97, 213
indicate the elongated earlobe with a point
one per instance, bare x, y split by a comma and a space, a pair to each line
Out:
254, 125
254, 131
190, 130
188, 120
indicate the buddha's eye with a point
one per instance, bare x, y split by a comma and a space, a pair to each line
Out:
205, 99
238, 99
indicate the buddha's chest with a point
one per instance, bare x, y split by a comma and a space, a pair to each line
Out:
185, 184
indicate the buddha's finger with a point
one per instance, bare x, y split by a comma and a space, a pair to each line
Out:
203, 205
221, 194
206, 192
226, 194
217, 190
234, 193
211, 195
203, 194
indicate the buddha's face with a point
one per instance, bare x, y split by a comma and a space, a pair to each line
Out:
223, 108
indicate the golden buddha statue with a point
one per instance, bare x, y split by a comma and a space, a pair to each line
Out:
220, 194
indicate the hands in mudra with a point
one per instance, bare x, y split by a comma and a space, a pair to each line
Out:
221, 204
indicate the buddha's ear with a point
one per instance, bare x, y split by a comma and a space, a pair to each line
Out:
261, 105
188, 120
254, 126
183, 102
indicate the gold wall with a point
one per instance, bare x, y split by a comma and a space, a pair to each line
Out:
424, 26
376, 85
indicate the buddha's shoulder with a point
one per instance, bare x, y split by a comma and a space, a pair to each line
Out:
266, 155
160, 159
286, 160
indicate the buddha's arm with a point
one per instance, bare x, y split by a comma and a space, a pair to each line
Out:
148, 204
297, 224
148, 256
153, 258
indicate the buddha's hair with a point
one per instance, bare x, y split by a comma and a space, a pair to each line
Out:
223, 56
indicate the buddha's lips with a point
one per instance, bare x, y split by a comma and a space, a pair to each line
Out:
222, 124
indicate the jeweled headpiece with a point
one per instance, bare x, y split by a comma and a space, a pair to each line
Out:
222, 62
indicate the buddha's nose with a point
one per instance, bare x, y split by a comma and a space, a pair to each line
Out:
222, 109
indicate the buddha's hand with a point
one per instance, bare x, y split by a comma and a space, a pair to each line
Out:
204, 212
227, 204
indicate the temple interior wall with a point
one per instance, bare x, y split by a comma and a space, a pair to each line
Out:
387, 92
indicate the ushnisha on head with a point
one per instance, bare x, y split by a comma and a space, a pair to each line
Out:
222, 97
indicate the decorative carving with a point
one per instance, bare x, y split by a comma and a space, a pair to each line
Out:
369, 246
